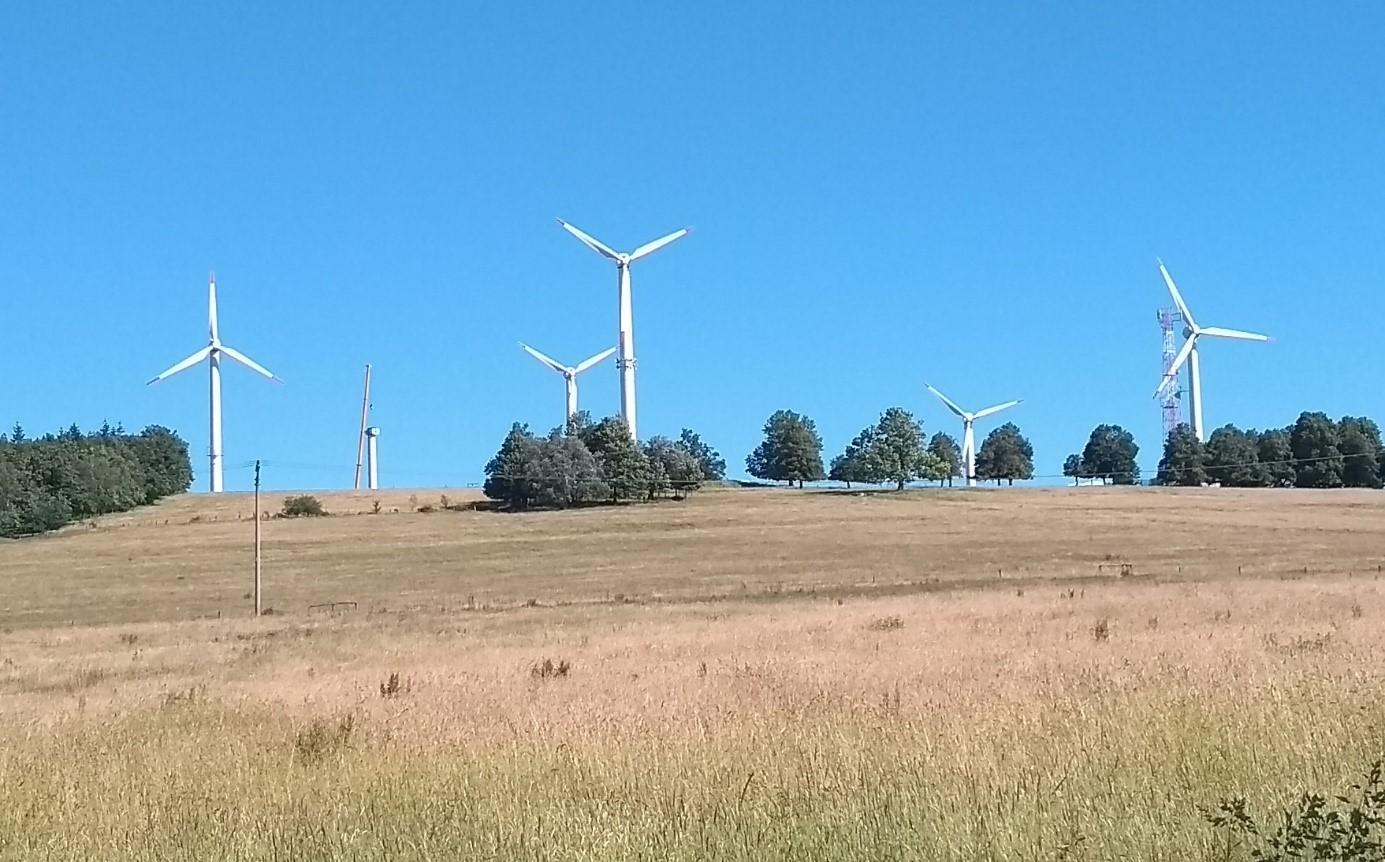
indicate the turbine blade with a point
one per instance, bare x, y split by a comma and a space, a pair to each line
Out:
992, 410
651, 247
1177, 297
590, 241
249, 363
1237, 334
546, 360
1172, 374
211, 307
588, 363
948, 401
184, 365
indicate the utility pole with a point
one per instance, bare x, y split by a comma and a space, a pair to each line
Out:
257, 538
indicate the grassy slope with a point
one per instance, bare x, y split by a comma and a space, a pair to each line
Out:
755, 674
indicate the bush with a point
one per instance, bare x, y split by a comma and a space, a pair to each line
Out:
1347, 828
303, 506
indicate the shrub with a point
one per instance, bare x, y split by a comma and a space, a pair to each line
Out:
303, 506
1345, 828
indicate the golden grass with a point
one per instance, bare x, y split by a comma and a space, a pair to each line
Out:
753, 675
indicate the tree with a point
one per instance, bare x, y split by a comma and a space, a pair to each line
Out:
709, 460
851, 465
791, 451
1110, 453
674, 464
1005, 454
163, 457
1072, 466
578, 424
1318, 460
1184, 459
1233, 458
46, 483
624, 467
1359, 440
944, 447
896, 452
1276, 457
512, 475
567, 474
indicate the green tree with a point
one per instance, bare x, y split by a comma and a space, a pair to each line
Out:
1184, 461
896, 452
1276, 457
624, 467
1110, 453
709, 460
512, 476
851, 465
578, 424
1005, 454
674, 463
791, 451
1319, 462
944, 447
567, 474
1072, 466
1233, 458
163, 458
1358, 438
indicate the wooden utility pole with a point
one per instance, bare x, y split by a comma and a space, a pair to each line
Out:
257, 538
365, 418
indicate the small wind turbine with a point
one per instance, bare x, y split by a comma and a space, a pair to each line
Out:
626, 341
968, 434
214, 351
569, 372
1189, 352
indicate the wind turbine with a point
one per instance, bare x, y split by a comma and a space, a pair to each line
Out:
626, 342
569, 372
968, 434
1189, 352
214, 351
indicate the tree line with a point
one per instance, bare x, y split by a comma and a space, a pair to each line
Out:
1314, 452
893, 450
59, 478
586, 462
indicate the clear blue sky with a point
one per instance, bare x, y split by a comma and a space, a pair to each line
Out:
972, 195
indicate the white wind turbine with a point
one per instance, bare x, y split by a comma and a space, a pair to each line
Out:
214, 351
968, 433
569, 372
1188, 354
626, 341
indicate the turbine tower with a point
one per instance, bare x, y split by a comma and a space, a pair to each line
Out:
214, 351
626, 341
1191, 333
968, 434
569, 372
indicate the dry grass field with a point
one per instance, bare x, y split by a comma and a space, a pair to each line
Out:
752, 674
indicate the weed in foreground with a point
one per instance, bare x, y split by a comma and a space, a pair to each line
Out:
548, 669
1346, 828
323, 738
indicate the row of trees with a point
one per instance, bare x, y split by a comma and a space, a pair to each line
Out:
590, 462
893, 450
1314, 452
59, 478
